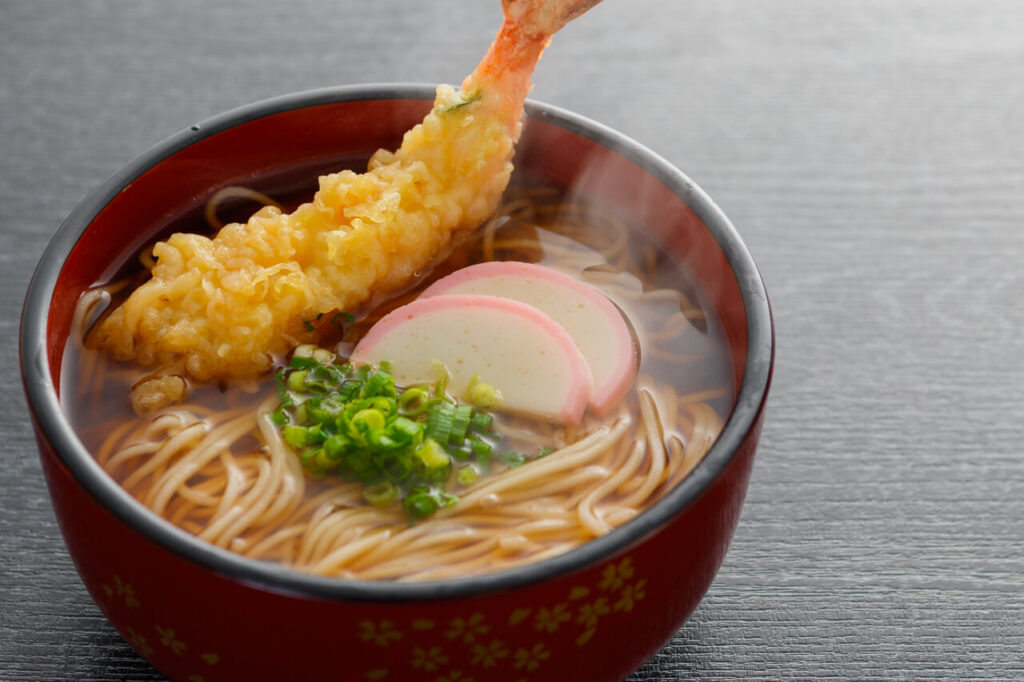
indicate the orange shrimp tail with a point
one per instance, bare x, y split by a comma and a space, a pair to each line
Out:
544, 17
507, 68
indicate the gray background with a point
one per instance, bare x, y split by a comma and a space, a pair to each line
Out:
871, 153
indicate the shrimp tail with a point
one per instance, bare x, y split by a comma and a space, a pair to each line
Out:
506, 70
544, 16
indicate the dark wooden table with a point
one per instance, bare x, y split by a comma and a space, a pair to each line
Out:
871, 153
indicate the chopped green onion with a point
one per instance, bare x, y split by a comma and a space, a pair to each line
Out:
323, 356
511, 459
322, 461
480, 448
295, 436
442, 381
419, 505
432, 454
483, 395
413, 400
382, 442
382, 494
315, 434
340, 319
400, 444
460, 422
387, 405
380, 384
439, 423
467, 475
336, 445
306, 350
301, 362
357, 460
405, 431
465, 99
366, 421
361, 372
297, 380
349, 390
283, 396
480, 422
396, 466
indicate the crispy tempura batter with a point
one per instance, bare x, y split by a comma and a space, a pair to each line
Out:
224, 307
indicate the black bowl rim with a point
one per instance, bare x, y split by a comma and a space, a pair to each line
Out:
51, 420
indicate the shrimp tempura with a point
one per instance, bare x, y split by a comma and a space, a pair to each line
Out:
223, 308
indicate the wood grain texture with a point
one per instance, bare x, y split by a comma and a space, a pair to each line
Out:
871, 153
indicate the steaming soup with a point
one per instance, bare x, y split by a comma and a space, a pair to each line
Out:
220, 464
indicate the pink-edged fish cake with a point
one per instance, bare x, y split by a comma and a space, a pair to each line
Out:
596, 325
514, 347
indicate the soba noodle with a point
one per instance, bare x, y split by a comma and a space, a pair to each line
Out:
226, 476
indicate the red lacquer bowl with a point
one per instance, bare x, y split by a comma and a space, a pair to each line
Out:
200, 613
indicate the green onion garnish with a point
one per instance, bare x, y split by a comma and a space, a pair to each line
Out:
432, 454
480, 422
466, 98
439, 423
295, 436
296, 381
404, 445
482, 395
460, 422
382, 494
511, 459
283, 396
341, 319
466, 475
413, 401
419, 505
